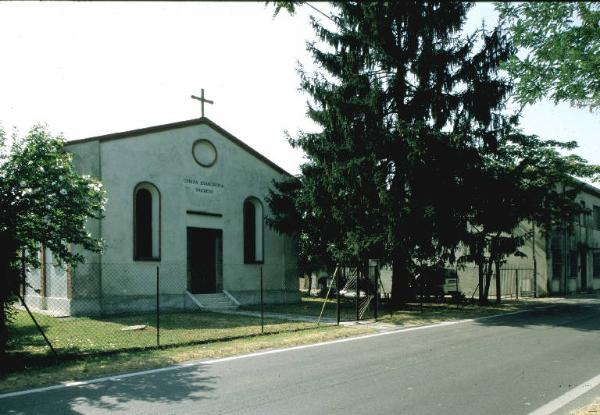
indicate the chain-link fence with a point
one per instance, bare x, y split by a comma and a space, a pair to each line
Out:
106, 307
345, 294
514, 282
352, 295
357, 292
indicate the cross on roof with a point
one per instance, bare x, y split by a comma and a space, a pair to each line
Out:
202, 100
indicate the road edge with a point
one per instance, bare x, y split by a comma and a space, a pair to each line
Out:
192, 363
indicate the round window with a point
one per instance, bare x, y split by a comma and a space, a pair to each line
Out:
204, 153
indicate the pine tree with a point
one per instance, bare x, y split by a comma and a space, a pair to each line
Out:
415, 157
403, 101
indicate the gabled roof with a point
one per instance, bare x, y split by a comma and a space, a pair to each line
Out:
182, 124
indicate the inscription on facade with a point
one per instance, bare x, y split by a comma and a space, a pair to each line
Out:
202, 186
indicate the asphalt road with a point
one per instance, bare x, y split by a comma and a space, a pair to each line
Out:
507, 365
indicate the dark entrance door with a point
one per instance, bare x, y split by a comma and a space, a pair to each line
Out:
202, 250
583, 261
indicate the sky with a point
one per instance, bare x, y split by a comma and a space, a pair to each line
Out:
88, 69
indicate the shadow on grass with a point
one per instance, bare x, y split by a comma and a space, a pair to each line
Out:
25, 335
313, 307
580, 315
74, 338
365, 309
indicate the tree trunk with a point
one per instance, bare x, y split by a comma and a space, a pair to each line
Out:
3, 332
4, 300
480, 267
498, 284
9, 286
309, 283
488, 279
401, 290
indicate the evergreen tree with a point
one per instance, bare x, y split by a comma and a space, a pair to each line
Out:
404, 100
414, 158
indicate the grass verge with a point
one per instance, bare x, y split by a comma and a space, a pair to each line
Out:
89, 367
432, 313
411, 314
592, 409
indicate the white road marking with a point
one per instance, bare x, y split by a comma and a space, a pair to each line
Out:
65, 385
570, 396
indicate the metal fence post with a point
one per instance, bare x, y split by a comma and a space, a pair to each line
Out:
534, 264
376, 311
23, 275
157, 307
357, 296
421, 290
262, 311
457, 292
100, 288
517, 283
337, 296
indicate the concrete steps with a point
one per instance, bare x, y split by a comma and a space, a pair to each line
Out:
216, 301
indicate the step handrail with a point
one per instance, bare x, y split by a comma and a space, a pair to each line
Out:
194, 299
231, 297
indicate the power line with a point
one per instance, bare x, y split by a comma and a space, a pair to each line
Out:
319, 11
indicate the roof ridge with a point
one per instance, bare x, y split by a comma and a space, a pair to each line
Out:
181, 124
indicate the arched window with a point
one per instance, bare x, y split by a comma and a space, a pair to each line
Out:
146, 222
253, 231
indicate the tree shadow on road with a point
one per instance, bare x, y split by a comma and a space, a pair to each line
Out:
138, 394
578, 316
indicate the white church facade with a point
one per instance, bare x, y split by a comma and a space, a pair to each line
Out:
188, 198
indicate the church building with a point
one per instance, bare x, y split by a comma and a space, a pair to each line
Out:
187, 198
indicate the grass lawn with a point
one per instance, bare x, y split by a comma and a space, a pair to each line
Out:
432, 313
89, 367
309, 306
81, 335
